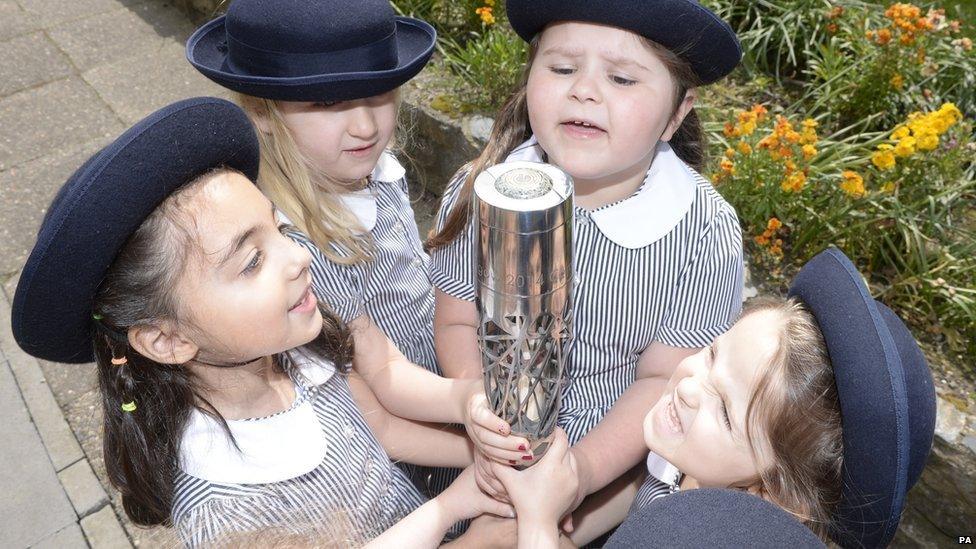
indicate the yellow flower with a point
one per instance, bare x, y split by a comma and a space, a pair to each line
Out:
809, 151
927, 142
727, 166
486, 16
905, 147
900, 133
729, 153
897, 81
489, 2
852, 184
744, 148
884, 157
731, 130
888, 187
794, 182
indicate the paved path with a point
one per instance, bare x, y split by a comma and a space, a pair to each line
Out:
73, 75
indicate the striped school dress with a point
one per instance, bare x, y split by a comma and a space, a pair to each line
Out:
664, 264
662, 479
314, 464
394, 287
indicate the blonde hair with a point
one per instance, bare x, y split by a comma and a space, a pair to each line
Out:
794, 422
511, 128
308, 197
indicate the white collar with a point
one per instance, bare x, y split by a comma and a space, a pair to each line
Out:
647, 216
663, 470
362, 203
272, 449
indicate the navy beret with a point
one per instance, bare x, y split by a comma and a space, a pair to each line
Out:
104, 202
709, 517
296, 50
886, 394
683, 26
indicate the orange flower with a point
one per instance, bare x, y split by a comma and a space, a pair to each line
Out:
774, 224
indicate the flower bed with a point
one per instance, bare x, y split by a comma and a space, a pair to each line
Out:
861, 136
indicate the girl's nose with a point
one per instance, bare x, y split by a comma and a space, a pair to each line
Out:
362, 122
689, 392
299, 260
585, 88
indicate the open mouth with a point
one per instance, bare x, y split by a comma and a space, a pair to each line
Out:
582, 127
671, 414
305, 303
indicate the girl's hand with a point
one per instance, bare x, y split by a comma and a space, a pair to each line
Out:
487, 480
544, 492
492, 435
463, 499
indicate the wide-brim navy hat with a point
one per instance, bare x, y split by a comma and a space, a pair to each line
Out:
101, 206
683, 26
709, 517
886, 394
302, 50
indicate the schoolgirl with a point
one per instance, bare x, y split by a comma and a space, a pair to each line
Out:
319, 80
226, 403
830, 424
608, 96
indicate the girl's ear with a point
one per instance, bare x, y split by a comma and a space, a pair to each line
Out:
679, 114
162, 343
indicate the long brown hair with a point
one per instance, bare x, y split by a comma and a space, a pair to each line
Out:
511, 128
141, 447
795, 411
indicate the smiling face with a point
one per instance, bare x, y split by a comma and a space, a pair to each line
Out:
599, 100
699, 424
343, 140
247, 293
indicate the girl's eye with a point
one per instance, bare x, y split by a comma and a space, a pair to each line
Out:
621, 80
725, 416
325, 104
561, 70
253, 264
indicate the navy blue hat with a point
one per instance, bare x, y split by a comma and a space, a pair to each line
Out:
887, 399
683, 26
104, 202
709, 517
311, 50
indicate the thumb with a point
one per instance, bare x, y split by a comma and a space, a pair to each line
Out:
567, 524
504, 473
495, 507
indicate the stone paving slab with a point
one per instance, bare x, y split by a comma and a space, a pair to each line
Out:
104, 531
136, 86
121, 33
83, 489
25, 193
33, 505
29, 60
54, 12
68, 538
61, 114
14, 21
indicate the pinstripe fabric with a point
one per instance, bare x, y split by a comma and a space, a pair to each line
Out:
683, 290
650, 491
356, 479
394, 287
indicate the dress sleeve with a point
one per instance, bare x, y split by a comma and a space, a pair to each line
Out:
708, 297
451, 266
335, 285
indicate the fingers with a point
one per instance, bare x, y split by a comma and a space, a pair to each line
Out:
567, 523
511, 443
482, 415
495, 507
489, 483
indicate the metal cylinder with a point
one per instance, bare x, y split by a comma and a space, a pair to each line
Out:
524, 272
